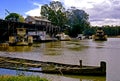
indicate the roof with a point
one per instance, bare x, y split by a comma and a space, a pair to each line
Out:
38, 18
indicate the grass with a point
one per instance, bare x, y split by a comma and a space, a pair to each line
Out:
21, 78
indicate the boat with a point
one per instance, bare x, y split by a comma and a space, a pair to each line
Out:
100, 35
59, 68
41, 36
63, 37
80, 36
52, 67
46, 38
21, 38
4, 46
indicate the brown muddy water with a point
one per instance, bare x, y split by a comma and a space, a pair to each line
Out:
70, 52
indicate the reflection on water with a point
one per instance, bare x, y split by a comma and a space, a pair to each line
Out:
75, 46
88, 78
70, 52
53, 48
74, 78
16, 48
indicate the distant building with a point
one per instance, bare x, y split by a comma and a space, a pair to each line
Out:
44, 24
37, 20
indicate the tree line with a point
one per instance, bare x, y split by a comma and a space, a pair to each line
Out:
109, 30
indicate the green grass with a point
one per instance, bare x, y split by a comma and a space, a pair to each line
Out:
21, 78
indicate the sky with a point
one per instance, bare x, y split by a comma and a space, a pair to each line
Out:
101, 12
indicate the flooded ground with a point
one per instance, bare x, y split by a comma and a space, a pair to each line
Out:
70, 52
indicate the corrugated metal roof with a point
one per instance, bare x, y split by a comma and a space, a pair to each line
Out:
38, 18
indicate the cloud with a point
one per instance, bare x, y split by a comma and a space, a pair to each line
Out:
35, 11
101, 12
107, 12
83, 4
106, 22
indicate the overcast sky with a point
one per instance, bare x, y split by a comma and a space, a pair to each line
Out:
101, 12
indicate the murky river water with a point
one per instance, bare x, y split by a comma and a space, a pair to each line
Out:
70, 52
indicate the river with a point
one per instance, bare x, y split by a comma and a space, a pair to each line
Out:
70, 52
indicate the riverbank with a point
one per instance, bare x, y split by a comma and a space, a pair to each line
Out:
21, 78
118, 36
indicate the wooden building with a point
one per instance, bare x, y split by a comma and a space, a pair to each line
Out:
49, 29
8, 28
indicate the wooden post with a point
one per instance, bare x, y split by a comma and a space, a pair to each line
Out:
80, 61
103, 66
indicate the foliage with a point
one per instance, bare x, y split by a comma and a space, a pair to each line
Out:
109, 30
14, 17
21, 78
112, 30
75, 18
54, 12
76, 29
78, 20
89, 31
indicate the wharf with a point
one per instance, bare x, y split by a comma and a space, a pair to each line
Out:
52, 67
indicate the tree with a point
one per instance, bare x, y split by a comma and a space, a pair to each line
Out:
75, 19
14, 17
78, 20
54, 12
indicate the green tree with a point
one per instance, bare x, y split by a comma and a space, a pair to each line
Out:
55, 12
90, 31
14, 17
78, 20
111, 30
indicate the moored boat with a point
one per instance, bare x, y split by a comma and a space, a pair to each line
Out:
21, 39
100, 35
63, 37
52, 67
4, 46
58, 68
